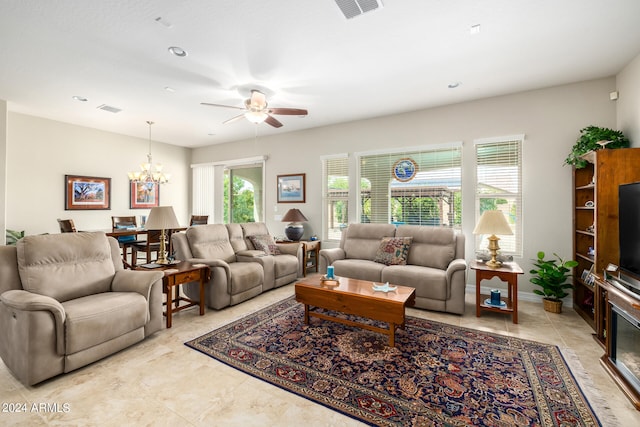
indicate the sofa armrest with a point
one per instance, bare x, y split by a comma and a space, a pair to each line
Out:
135, 281
455, 265
290, 249
27, 301
329, 256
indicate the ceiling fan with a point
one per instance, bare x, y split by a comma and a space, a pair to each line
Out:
256, 110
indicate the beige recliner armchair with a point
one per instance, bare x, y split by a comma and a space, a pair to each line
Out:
66, 301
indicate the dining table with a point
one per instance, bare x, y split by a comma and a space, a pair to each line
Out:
139, 231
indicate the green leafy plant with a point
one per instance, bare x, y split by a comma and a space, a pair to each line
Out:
552, 276
588, 141
13, 236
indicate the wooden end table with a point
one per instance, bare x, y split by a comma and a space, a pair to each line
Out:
508, 273
356, 297
176, 275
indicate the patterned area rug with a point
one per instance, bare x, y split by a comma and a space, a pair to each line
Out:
437, 375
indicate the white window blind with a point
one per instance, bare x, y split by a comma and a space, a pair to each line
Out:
203, 192
335, 178
431, 197
499, 187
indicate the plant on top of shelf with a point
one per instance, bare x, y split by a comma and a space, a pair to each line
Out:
594, 138
553, 277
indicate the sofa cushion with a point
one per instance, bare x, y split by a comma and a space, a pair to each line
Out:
236, 237
431, 246
429, 282
265, 243
210, 241
393, 250
244, 276
65, 266
361, 241
285, 264
99, 318
358, 269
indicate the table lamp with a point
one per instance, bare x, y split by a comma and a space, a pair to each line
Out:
294, 229
162, 218
492, 223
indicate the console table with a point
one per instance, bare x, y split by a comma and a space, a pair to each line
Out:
508, 273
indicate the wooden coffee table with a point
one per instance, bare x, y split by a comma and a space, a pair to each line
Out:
357, 297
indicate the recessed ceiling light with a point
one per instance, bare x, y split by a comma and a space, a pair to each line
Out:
178, 51
475, 29
79, 98
169, 89
453, 85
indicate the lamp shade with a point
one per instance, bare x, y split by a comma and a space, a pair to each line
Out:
162, 218
492, 222
294, 215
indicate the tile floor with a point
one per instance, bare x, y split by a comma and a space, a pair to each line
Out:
161, 382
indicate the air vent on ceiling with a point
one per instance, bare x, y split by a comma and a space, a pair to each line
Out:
353, 8
109, 108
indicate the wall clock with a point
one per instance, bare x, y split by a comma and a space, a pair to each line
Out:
405, 169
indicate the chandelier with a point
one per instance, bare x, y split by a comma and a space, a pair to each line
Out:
148, 171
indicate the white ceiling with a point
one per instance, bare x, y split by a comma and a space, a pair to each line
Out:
302, 54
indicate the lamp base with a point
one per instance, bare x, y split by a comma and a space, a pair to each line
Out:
294, 231
493, 250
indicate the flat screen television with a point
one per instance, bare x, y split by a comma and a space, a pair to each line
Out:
629, 228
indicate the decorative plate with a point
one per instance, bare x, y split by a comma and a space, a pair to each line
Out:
384, 288
405, 170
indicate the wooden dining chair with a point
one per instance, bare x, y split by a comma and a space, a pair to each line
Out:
199, 220
126, 242
148, 247
67, 226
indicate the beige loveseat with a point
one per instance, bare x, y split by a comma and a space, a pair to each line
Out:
239, 271
435, 263
66, 301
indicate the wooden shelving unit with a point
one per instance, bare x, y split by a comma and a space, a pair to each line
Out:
596, 224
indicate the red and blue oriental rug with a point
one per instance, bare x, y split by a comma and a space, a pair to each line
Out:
437, 375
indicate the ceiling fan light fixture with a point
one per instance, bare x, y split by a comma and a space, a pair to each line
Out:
256, 116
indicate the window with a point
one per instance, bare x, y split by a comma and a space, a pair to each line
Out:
431, 196
229, 191
243, 194
499, 187
335, 173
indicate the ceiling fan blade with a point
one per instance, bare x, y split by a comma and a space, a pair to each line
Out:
233, 119
288, 111
220, 105
273, 122
258, 99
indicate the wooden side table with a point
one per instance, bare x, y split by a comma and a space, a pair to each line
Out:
176, 275
508, 273
310, 254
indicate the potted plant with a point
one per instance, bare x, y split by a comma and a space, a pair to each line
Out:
552, 276
594, 138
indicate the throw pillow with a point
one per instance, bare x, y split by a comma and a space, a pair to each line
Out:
265, 243
393, 250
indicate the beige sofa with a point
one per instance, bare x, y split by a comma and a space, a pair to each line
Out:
435, 263
239, 271
66, 301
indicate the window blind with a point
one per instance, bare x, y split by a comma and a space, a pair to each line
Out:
499, 187
431, 196
335, 173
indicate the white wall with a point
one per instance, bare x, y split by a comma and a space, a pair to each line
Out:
3, 168
550, 119
40, 152
628, 85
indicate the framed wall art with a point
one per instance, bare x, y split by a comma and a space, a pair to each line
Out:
291, 188
144, 195
86, 193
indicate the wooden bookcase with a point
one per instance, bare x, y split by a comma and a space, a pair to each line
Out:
596, 224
